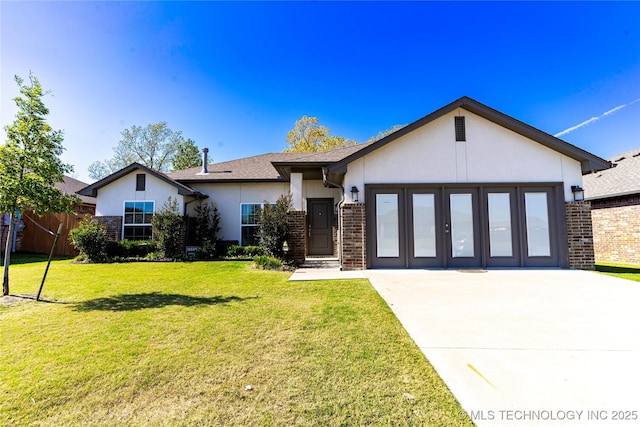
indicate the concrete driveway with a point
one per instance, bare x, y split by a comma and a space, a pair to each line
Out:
526, 347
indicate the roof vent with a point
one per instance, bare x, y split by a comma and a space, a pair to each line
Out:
460, 128
620, 159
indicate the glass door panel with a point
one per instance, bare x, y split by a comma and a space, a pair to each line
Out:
387, 226
424, 225
537, 221
462, 230
500, 234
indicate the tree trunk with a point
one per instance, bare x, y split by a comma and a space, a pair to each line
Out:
7, 257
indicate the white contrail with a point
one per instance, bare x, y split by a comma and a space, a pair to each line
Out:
593, 119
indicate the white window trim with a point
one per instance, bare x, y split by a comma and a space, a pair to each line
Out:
249, 225
124, 224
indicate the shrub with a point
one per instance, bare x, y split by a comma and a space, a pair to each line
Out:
131, 248
207, 250
273, 226
253, 251
235, 251
266, 262
90, 238
168, 227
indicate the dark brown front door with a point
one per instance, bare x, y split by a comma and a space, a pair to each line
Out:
320, 219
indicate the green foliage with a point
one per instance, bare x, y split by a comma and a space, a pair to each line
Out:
168, 230
236, 251
187, 156
130, 248
153, 146
90, 238
387, 132
30, 164
266, 262
207, 228
309, 136
273, 228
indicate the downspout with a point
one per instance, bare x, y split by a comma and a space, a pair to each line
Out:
328, 183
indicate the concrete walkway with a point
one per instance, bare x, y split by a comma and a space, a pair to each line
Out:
523, 347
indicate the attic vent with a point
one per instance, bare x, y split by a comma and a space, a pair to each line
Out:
460, 129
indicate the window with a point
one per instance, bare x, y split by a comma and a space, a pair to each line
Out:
460, 129
137, 220
140, 181
249, 216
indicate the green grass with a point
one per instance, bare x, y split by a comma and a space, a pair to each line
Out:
176, 344
624, 271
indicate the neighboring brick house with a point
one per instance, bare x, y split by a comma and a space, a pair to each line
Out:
464, 187
615, 209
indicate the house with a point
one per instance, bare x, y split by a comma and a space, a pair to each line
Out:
34, 236
615, 209
464, 187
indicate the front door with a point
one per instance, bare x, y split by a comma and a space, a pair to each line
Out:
320, 223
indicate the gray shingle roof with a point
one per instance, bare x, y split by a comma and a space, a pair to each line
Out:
71, 185
260, 168
620, 180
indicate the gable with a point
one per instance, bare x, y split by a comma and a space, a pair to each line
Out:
490, 153
464, 105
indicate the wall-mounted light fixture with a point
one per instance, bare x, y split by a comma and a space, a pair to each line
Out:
578, 193
354, 193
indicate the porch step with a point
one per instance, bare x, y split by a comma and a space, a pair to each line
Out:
325, 263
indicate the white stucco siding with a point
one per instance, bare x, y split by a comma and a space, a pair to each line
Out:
111, 197
316, 190
230, 196
490, 154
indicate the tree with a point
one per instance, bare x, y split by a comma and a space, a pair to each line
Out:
273, 226
30, 165
309, 136
168, 226
387, 132
153, 146
187, 156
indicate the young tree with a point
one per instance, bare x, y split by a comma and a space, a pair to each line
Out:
168, 226
30, 165
153, 146
273, 226
187, 156
309, 136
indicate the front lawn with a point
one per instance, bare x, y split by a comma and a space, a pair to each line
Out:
624, 271
180, 344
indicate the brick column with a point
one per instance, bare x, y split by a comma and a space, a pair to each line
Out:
580, 235
353, 236
113, 224
297, 241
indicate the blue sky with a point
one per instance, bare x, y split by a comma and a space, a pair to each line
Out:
235, 76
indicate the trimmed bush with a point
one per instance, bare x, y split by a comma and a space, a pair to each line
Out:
90, 238
131, 248
266, 262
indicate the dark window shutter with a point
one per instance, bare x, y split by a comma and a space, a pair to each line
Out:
460, 130
140, 182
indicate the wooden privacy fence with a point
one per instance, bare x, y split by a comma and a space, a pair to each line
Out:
36, 240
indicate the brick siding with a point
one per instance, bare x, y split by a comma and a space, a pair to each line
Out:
616, 229
580, 235
113, 224
297, 240
353, 236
